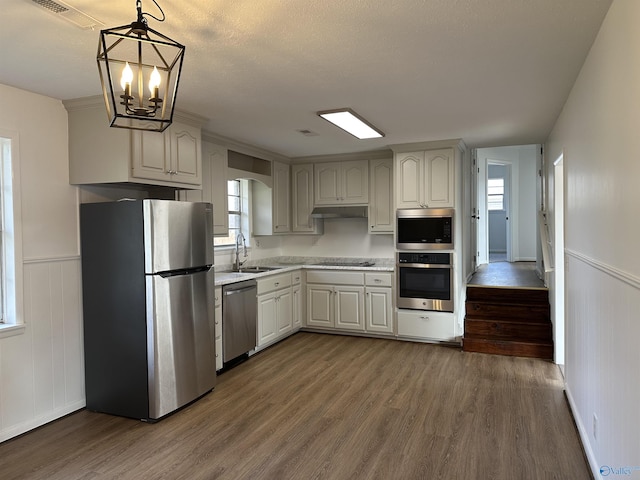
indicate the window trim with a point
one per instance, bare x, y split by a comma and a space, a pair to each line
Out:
11, 251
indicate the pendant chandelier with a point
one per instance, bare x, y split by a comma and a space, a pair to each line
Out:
139, 71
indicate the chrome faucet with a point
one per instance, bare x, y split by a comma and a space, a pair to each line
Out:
238, 263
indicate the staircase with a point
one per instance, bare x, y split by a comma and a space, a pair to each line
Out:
508, 321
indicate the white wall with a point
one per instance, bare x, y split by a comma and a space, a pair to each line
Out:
41, 370
597, 131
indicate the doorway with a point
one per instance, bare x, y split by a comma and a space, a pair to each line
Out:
498, 207
519, 190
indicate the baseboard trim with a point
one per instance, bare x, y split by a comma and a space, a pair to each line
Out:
584, 436
34, 423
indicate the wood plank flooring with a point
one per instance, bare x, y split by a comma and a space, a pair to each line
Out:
320, 406
507, 274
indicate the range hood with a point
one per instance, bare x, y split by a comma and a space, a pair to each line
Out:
340, 212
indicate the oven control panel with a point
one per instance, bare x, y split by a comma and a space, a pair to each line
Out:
433, 258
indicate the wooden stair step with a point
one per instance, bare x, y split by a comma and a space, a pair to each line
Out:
522, 296
511, 330
542, 350
508, 311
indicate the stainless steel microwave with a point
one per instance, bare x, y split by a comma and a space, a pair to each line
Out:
425, 229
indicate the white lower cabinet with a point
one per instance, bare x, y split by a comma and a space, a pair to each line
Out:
349, 307
350, 301
276, 307
379, 302
218, 325
426, 325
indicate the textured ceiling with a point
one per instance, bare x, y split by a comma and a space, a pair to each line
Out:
492, 72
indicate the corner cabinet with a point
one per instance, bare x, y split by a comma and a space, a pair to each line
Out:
381, 211
214, 186
302, 201
341, 183
279, 307
270, 205
425, 179
99, 154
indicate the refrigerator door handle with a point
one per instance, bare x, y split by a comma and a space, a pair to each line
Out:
184, 271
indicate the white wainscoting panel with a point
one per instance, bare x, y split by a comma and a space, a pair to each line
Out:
602, 359
42, 370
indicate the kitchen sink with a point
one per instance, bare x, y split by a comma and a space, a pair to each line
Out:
256, 269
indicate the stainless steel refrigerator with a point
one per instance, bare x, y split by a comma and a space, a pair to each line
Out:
147, 282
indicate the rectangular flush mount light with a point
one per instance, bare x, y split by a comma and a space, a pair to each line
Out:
351, 122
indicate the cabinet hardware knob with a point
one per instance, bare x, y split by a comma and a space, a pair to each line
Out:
277, 283
424, 318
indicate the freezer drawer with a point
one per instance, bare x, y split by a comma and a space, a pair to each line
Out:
180, 339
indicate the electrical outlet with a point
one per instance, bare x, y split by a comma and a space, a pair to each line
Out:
595, 427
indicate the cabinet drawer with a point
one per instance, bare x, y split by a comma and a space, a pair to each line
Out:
217, 297
335, 277
378, 279
426, 325
274, 282
296, 277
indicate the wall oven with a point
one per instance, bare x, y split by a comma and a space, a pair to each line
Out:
425, 281
424, 229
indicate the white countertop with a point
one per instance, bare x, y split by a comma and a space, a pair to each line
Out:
288, 264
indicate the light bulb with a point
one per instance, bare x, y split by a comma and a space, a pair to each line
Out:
154, 82
127, 77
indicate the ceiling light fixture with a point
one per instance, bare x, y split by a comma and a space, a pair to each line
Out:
128, 57
351, 122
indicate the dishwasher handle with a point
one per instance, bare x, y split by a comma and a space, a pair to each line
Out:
239, 290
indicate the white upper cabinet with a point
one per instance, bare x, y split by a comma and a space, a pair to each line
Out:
302, 200
172, 156
425, 179
100, 154
281, 210
214, 186
270, 205
341, 183
381, 212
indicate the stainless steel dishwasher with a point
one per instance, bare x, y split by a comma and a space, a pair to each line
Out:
239, 318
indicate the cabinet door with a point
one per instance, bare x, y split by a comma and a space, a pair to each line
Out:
296, 308
379, 314
217, 180
381, 212
349, 307
284, 311
409, 179
267, 318
151, 155
281, 222
302, 200
439, 173
327, 183
354, 182
185, 164
320, 306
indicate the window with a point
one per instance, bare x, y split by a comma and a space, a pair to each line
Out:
495, 193
236, 201
11, 321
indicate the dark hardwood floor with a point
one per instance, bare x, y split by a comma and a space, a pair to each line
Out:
332, 407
